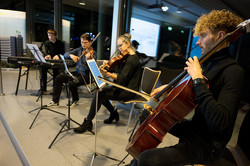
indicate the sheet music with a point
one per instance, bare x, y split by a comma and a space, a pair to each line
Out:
36, 52
95, 72
66, 67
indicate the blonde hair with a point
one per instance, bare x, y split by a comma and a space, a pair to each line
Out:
126, 37
217, 20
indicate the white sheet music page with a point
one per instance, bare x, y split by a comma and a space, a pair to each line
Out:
36, 52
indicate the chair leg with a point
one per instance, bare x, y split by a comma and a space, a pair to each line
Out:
130, 115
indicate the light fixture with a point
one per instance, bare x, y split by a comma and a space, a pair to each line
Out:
82, 2
164, 8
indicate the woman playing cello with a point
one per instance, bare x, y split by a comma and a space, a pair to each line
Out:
203, 139
128, 75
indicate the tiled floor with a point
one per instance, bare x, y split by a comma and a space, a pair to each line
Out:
110, 140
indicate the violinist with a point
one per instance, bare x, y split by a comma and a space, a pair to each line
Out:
128, 75
81, 74
203, 138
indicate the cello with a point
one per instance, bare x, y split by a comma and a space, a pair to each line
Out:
179, 102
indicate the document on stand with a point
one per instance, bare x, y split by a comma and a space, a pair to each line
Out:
95, 72
36, 52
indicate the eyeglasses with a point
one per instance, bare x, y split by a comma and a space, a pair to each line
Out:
118, 46
84, 42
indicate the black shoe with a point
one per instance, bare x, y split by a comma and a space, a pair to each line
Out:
112, 116
87, 125
132, 163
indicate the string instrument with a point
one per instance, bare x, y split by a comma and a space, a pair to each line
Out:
116, 60
89, 49
179, 101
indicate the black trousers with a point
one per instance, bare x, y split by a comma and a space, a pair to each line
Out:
44, 77
191, 149
106, 94
65, 78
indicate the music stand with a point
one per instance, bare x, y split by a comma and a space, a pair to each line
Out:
66, 122
100, 84
38, 55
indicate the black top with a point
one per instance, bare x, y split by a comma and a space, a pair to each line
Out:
53, 49
217, 108
129, 74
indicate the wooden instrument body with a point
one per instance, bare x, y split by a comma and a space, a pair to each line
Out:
154, 128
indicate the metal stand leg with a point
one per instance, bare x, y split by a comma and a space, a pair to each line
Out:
18, 80
95, 154
42, 106
65, 123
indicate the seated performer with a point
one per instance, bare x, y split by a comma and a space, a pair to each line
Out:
203, 139
81, 73
53, 48
128, 76
173, 59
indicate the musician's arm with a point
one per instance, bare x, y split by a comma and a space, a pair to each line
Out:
157, 90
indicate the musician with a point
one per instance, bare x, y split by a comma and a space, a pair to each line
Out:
81, 74
128, 75
53, 47
203, 139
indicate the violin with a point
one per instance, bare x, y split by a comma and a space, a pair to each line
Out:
116, 60
88, 50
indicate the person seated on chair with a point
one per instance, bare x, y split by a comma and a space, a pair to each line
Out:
128, 75
53, 48
81, 74
173, 59
144, 59
203, 138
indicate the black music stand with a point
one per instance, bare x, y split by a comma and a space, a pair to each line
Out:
38, 55
66, 122
96, 73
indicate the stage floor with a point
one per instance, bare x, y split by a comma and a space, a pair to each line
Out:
111, 139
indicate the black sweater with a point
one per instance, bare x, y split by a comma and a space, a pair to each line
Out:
129, 74
217, 108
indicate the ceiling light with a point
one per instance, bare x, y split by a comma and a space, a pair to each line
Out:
164, 8
82, 2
